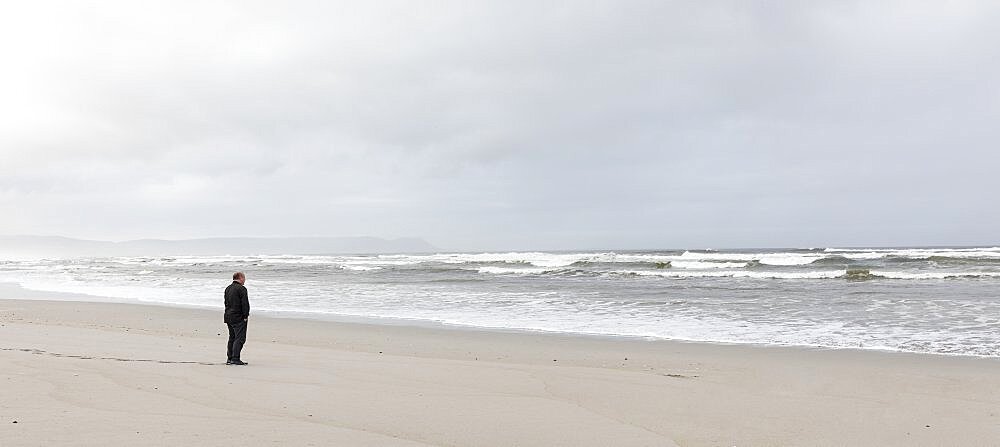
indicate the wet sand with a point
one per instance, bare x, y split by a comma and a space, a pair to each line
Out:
84, 373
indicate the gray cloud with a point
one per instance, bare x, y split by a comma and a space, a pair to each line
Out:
504, 124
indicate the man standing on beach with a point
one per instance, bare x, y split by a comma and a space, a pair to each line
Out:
237, 313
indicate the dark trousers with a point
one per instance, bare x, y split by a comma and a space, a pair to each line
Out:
237, 336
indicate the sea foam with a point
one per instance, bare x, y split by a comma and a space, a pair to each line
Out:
936, 300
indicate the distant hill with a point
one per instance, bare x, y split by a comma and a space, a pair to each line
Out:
51, 246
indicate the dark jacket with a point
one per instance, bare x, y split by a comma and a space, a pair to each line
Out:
237, 303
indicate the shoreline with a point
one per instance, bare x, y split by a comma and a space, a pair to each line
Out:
86, 373
14, 291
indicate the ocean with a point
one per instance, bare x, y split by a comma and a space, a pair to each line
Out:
926, 300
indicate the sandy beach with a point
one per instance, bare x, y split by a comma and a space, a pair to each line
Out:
85, 373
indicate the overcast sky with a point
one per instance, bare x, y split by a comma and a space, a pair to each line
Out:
504, 125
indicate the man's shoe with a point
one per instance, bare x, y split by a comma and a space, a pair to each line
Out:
238, 362
229, 362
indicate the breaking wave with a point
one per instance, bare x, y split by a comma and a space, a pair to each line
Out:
938, 300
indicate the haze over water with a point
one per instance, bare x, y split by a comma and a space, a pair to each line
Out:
930, 300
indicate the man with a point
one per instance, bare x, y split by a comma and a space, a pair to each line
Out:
237, 313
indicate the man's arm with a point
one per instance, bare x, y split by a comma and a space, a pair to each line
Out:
244, 297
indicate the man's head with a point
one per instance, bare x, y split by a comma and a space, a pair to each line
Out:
239, 277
